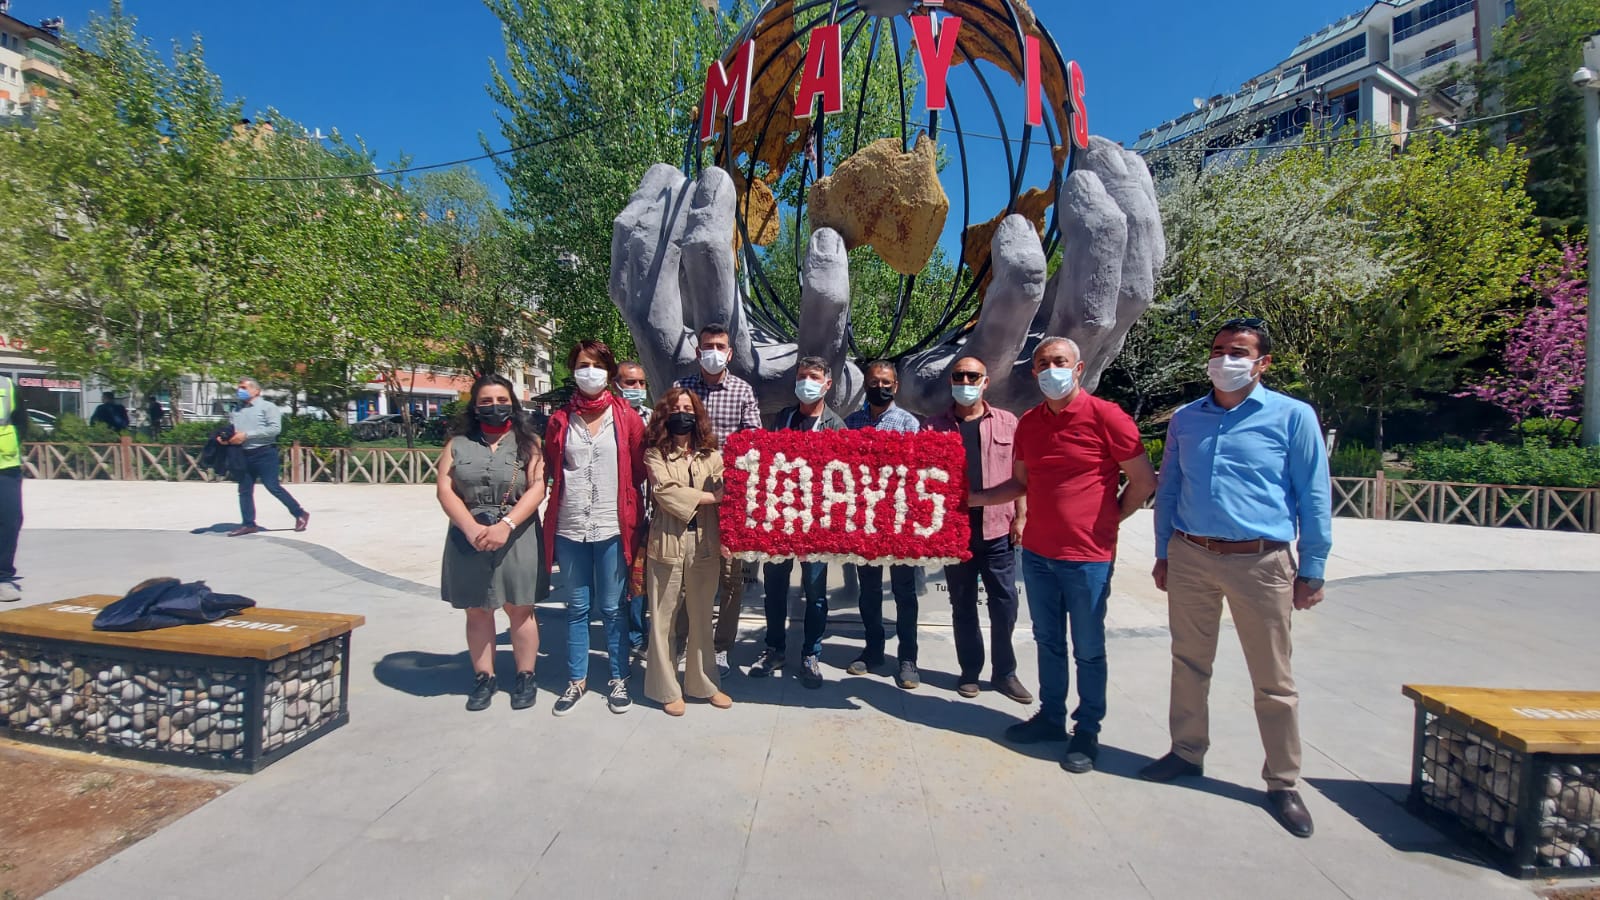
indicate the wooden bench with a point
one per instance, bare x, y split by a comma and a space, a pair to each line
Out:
238, 693
1514, 773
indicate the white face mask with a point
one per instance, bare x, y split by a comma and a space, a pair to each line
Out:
1230, 373
808, 391
591, 379
1056, 382
966, 394
713, 361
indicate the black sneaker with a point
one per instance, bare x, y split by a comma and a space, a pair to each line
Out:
569, 698
522, 693
1036, 730
769, 662
811, 672
864, 664
482, 692
1081, 753
908, 678
617, 699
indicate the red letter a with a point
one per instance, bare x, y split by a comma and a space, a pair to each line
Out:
935, 60
725, 93
824, 74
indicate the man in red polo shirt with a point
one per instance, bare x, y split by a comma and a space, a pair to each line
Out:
1071, 453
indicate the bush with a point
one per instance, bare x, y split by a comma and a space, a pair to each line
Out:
1155, 448
1355, 461
1556, 432
191, 433
1534, 463
315, 432
73, 430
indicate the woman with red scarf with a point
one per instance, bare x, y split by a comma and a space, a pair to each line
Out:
594, 454
491, 482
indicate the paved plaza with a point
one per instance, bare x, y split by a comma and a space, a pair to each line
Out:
859, 789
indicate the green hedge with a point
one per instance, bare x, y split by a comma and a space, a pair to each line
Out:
1355, 461
305, 429
1535, 463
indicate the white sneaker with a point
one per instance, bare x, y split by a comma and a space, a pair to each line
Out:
722, 662
10, 593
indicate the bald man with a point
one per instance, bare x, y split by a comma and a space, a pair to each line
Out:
988, 434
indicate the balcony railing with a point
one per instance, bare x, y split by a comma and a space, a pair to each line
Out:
1434, 59
1417, 28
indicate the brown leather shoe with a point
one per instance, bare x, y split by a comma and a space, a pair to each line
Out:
1170, 767
721, 700
675, 708
1011, 688
1290, 812
968, 689
243, 530
301, 521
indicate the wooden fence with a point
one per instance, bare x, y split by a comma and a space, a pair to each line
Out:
1379, 497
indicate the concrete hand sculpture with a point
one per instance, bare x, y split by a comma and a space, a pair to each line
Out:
673, 269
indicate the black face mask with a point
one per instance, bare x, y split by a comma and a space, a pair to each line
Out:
880, 396
495, 414
681, 423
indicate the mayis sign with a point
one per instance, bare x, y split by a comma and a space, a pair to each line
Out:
846, 496
937, 37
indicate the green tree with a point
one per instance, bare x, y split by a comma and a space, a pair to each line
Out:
620, 79
122, 254
1531, 66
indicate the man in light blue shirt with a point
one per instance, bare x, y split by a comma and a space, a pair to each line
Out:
883, 414
256, 426
1245, 475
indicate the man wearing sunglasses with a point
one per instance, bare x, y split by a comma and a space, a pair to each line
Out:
1244, 474
989, 435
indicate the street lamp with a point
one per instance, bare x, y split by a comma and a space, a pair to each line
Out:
1587, 79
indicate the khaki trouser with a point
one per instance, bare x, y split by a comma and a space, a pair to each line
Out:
690, 587
1260, 592
730, 596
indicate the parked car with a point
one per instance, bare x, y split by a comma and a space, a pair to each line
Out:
376, 428
41, 421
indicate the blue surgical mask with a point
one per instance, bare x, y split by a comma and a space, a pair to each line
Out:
1056, 383
808, 391
636, 396
244, 395
966, 394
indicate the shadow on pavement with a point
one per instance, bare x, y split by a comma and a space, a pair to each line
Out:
424, 674
1380, 808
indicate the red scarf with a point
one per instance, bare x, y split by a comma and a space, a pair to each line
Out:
494, 432
585, 405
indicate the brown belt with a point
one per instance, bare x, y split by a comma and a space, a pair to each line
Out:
1259, 545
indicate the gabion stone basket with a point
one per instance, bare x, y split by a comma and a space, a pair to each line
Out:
235, 694
1514, 775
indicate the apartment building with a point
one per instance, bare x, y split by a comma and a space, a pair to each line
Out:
30, 64
1374, 68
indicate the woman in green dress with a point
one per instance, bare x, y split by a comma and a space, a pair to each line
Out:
491, 482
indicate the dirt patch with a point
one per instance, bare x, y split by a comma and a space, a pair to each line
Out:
64, 812
1575, 893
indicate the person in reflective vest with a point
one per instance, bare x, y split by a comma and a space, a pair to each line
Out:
13, 427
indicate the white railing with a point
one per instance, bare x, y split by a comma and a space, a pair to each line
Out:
1434, 59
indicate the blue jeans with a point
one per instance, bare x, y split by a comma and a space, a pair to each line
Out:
814, 582
638, 635
261, 464
870, 601
595, 575
1068, 596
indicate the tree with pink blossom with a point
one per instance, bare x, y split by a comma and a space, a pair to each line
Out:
1542, 368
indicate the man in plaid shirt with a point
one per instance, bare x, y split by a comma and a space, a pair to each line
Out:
731, 403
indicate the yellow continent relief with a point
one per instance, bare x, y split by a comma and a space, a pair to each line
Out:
889, 200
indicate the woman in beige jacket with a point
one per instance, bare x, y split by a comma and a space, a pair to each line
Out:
685, 472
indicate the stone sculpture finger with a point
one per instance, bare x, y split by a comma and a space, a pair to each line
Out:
709, 275
825, 310
646, 257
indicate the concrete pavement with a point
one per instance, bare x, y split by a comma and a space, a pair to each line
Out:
859, 787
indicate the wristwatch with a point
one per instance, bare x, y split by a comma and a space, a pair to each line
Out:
509, 521
1314, 583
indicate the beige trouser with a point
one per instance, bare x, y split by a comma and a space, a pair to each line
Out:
730, 595
689, 586
1260, 592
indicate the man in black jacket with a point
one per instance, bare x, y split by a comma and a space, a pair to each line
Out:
110, 413
811, 386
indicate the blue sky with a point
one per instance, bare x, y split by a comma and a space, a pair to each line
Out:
408, 76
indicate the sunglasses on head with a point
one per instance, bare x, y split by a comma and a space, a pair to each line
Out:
1258, 324
966, 377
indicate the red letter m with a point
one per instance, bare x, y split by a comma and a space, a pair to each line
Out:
725, 94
